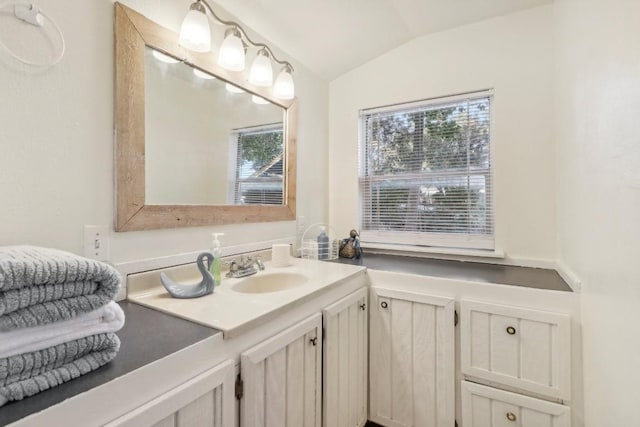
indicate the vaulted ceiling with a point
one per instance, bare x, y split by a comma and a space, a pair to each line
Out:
331, 37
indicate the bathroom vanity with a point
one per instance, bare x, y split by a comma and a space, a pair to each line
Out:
331, 344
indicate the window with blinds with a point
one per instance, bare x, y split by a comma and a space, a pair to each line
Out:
425, 173
259, 165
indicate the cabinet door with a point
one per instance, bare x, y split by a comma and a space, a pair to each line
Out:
489, 407
345, 361
206, 400
412, 359
282, 378
527, 350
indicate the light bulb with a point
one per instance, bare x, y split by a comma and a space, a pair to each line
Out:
195, 33
202, 74
259, 100
233, 89
162, 57
261, 73
231, 55
283, 88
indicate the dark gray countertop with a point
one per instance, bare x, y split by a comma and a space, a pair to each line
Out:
538, 278
148, 335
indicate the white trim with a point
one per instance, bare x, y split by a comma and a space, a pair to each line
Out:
410, 250
569, 276
438, 100
491, 257
437, 240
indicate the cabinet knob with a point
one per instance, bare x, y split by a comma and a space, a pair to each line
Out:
363, 307
511, 416
384, 304
314, 341
511, 330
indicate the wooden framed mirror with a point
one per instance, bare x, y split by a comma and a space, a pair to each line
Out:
167, 174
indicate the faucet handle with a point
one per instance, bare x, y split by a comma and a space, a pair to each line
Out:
233, 264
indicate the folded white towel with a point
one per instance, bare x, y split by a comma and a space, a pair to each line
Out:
106, 319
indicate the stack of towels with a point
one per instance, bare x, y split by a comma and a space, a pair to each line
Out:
57, 318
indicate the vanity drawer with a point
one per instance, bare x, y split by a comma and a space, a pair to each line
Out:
523, 349
489, 407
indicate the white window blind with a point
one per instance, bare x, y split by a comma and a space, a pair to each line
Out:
425, 173
259, 165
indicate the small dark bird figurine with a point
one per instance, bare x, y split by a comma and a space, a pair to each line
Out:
350, 248
205, 287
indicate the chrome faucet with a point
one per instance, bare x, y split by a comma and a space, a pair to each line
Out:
244, 267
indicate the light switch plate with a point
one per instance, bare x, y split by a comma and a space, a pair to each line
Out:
96, 242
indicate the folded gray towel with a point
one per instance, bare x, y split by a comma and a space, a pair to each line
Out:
39, 286
30, 373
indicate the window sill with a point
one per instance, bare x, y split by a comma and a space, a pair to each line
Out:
429, 251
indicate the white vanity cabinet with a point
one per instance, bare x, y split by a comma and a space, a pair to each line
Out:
513, 360
412, 359
282, 378
490, 407
205, 400
525, 355
345, 361
521, 349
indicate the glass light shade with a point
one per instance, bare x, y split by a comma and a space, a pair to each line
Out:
261, 73
283, 88
195, 33
162, 57
233, 89
202, 74
231, 55
259, 100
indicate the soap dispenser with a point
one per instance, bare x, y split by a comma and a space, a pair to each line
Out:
216, 265
323, 244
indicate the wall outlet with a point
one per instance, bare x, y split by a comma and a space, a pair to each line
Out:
96, 242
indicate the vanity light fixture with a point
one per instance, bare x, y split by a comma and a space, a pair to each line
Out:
232, 51
162, 57
261, 73
233, 89
283, 87
203, 75
195, 34
259, 100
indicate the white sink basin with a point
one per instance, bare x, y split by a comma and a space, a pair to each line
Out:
270, 282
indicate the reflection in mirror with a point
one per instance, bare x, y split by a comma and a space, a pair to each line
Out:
208, 142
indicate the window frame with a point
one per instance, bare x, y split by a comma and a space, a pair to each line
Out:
427, 241
234, 179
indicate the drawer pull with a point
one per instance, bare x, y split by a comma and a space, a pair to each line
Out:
384, 304
511, 416
511, 331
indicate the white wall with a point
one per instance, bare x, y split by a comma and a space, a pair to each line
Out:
598, 105
511, 54
56, 138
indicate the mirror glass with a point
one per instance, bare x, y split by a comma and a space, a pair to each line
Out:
208, 142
